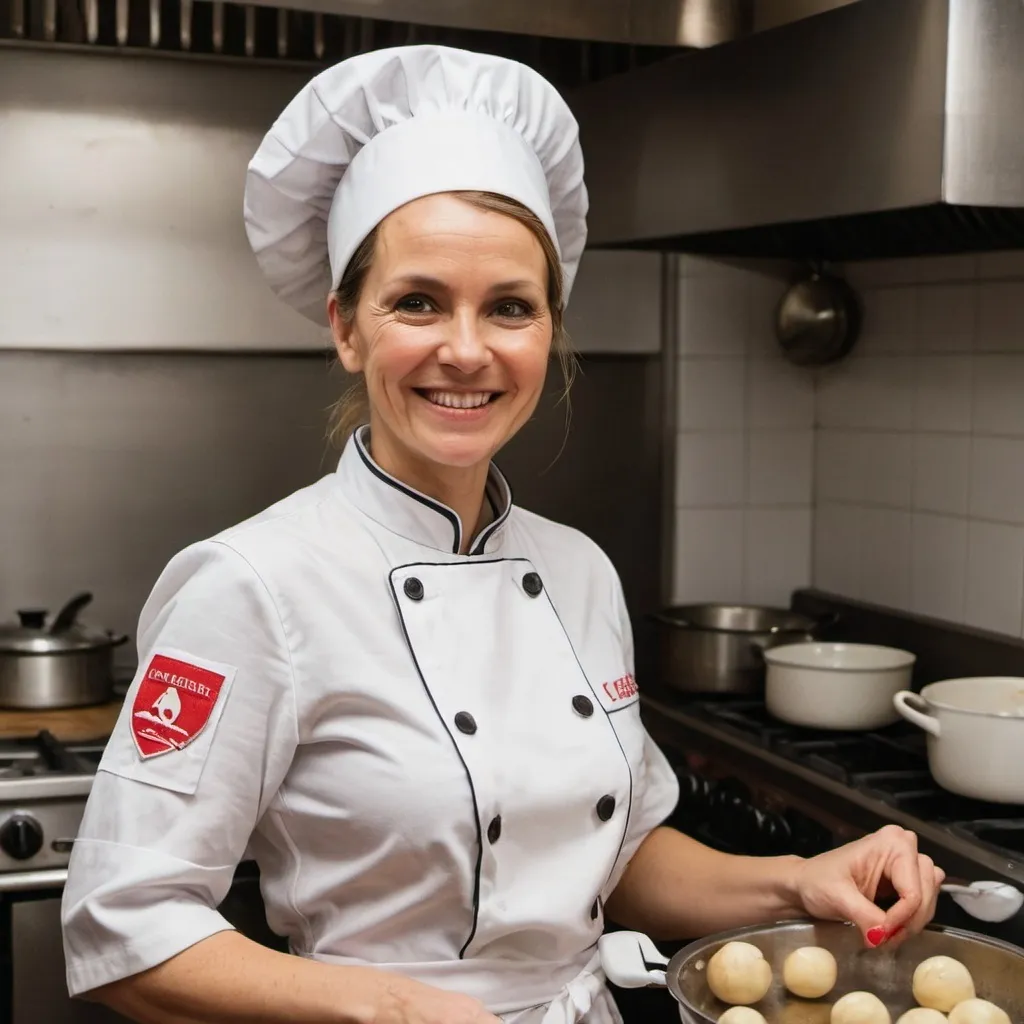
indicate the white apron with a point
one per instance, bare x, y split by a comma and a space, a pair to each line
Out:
437, 760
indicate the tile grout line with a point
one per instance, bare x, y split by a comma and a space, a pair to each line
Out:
973, 385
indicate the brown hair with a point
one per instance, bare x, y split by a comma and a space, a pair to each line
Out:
352, 408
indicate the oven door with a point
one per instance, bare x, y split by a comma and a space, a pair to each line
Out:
32, 983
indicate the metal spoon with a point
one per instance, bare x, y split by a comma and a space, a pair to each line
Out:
987, 901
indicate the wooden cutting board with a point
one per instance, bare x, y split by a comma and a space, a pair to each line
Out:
68, 724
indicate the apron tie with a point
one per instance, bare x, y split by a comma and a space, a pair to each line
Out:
576, 999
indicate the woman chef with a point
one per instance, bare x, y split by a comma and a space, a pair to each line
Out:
409, 700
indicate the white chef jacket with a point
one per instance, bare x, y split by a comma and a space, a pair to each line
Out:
437, 760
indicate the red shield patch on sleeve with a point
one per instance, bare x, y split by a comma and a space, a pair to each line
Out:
172, 705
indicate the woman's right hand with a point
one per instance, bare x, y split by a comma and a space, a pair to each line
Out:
405, 1001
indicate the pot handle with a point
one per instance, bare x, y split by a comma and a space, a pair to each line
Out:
904, 701
67, 616
116, 639
758, 647
631, 960
663, 619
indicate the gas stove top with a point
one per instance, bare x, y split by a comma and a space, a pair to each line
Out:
43, 755
43, 787
890, 765
753, 785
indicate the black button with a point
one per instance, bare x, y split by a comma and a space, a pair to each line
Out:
595, 910
466, 723
532, 584
606, 807
413, 589
494, 829
582, 705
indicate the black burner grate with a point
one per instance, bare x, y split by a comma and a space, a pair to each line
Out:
1005, 835
43, 754
891, 765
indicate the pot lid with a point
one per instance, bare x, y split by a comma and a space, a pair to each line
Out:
36, 633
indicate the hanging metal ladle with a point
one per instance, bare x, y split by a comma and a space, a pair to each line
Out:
818, 320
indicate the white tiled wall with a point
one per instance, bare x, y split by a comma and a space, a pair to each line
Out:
745, 443
901, 469
919, 462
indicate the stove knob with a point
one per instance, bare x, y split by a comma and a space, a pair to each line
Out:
692, 806
732, 816
774, 835
693, 791
808, 837
21, 837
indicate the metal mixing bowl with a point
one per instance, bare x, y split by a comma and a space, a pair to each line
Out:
997, 969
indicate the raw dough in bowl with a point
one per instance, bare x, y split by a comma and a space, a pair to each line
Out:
978, 1011
860, 1008
922, 1015
887, 972
810, 972
940, 982
741, 1015
739, 974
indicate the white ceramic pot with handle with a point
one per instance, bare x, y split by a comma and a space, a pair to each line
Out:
836, 686
975, 733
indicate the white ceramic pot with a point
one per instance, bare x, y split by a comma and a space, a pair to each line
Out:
836, 686
975, 733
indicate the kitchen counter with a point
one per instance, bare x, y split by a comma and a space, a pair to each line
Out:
72, 725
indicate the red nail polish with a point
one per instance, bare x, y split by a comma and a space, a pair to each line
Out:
876, 935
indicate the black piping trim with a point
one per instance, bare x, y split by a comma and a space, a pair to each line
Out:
462, 761
451, 735
446, 565
434, 506
622, 707
488, 531
629, 804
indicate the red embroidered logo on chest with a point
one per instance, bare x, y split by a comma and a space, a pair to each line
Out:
172, 705
622, 689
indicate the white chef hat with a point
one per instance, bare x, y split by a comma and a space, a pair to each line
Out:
384, 128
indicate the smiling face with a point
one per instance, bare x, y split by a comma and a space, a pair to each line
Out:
452, 332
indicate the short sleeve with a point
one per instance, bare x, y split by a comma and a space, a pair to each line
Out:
204, 740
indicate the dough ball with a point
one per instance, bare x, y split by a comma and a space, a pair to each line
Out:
860, 1008
739, 974
940, 982
922, 1015
977, 1011
810, 972
741, 1015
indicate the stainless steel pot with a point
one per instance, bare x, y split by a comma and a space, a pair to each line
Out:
718, 648
57, 665
631, 960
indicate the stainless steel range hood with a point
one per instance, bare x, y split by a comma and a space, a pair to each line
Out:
689, 23
880, 128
